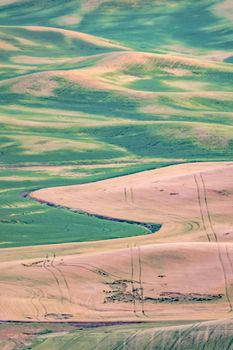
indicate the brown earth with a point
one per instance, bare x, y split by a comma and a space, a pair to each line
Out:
184, 271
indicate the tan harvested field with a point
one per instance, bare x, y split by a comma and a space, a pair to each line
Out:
184, 271
185, 199
84, 287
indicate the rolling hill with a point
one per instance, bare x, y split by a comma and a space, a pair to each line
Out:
116, 138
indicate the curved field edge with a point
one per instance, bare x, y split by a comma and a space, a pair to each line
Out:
170, 195
150, 227
30, 223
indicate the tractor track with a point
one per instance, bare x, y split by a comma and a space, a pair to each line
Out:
47, 268
210, 232
62, 276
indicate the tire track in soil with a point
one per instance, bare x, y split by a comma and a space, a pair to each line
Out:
132, 281
140, 282
96, 270
125, 194
33, 296
62, 276
220, 257
40, 297
201, 209
47, 268
135, 254
105, 275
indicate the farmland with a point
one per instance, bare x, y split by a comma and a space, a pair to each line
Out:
116, 152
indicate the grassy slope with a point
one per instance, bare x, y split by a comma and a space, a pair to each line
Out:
146, 336
52, 120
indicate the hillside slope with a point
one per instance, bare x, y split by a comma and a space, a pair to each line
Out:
100, 103
124, 87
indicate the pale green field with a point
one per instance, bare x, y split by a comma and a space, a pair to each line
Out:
193, 336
